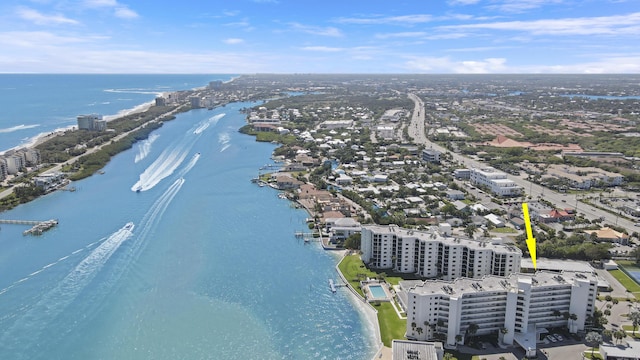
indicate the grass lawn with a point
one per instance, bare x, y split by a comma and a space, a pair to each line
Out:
627, 282
596, 354
630, 328
354, 271
391, 326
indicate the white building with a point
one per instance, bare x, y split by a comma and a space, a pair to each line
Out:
431, 155
14, 163
93, 122
385, 132
518, 307
339, 229
496, 181
3, 169
435, 254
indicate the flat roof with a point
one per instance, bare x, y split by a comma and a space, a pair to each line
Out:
557, 265
620, 351
411, 350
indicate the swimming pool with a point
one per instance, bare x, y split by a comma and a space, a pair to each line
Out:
377, 292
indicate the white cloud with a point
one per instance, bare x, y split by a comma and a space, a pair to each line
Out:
37, 40
233, 41
316, 30
41, 19
446, 65
125, 13
322, 48
463, 2
604, 25
408, 34
398, 20
119, 10
100, 3
519, 6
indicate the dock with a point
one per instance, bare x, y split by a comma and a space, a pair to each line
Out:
332, 286
306, 236
37, 227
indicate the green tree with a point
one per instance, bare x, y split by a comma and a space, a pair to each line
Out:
635, 320
470, 230
594, 339
472, 329
353, 242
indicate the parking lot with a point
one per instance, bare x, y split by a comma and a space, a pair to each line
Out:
565, 349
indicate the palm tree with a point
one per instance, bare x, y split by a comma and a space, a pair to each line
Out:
594, 339
470, 230
619, 335
458, 338
635, 319
472, 329
573, 317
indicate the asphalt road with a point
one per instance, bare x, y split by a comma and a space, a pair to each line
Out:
535, 191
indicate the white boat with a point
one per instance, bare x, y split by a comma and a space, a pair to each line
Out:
129, 226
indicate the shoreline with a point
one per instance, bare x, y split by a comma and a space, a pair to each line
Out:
367, 314
42, 137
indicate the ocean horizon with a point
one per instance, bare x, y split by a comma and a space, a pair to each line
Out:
200, 264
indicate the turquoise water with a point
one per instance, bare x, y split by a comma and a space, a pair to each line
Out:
377, 291
210, 270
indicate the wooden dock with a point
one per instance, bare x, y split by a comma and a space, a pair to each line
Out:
37, 227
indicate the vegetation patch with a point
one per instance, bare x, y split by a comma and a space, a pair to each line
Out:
626, 281
391, 326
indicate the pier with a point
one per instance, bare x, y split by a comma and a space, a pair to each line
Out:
37, 227
332, 286
306, 236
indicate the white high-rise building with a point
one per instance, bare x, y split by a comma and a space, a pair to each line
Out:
435, 253
93, 122
496, 181
518, 307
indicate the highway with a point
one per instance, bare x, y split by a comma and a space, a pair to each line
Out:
535, 191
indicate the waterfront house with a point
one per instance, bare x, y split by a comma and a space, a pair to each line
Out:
286, 182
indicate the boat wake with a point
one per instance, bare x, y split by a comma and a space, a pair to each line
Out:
212, 121
66, 291
164, 166
33, 274
224, 139
171, 158
145, 147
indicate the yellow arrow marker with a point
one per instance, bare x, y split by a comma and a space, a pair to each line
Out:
531, 241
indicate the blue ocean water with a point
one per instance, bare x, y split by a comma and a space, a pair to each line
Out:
33, 104
209, 268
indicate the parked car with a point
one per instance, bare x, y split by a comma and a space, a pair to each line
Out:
551, 338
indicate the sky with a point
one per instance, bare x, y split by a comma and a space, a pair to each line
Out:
305, 36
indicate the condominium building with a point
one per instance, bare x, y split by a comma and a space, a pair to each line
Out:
517, 307
435, 253
496, 181
93, 122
